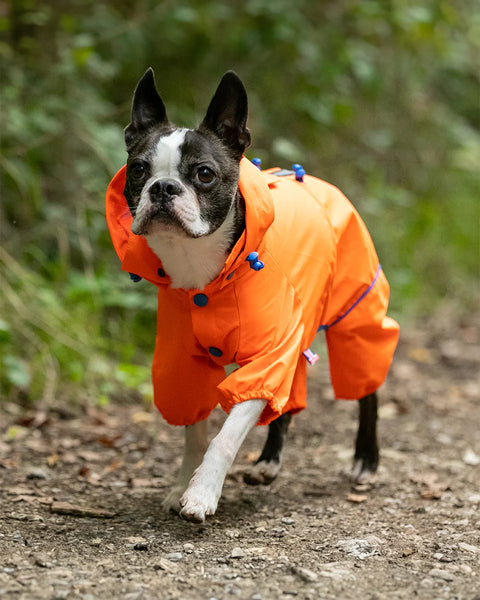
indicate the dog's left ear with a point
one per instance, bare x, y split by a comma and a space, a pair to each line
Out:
227, 114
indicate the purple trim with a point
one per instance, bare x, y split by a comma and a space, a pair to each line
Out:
369, 289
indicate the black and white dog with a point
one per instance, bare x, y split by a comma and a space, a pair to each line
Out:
182, 191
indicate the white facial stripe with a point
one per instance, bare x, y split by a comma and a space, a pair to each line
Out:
165, 164
167, 155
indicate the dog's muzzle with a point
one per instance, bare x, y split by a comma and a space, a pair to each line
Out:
163, 191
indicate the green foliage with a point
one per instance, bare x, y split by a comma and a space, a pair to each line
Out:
380, 98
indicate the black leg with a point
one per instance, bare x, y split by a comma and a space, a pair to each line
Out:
366, 446
266, 468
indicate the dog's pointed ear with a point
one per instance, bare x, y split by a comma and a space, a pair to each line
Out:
148, 108
227, 114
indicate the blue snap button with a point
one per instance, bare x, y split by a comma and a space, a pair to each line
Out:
215, 351
200, 300
299, 174
135, 278
161, 272
252, 257
231, 275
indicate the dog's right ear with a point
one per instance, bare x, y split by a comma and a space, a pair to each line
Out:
148, 108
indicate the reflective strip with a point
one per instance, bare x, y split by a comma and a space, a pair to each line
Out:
309, 354
369, 289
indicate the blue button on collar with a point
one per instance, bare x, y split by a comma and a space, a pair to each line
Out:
200, 300
255, 264
215, 351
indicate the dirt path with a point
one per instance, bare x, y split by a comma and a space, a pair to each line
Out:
415, 535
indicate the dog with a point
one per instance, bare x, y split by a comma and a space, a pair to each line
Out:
249, 265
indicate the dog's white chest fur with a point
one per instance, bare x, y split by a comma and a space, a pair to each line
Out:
191, 263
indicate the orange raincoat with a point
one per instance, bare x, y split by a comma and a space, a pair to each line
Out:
320, 271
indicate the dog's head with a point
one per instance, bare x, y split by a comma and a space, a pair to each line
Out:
184, 180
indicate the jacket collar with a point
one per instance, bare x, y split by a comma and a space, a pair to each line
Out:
259, 214
137, 256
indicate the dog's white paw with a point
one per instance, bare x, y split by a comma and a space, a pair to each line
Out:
199, 501
263, 473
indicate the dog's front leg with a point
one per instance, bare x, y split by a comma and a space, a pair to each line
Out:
205, 487
196, 443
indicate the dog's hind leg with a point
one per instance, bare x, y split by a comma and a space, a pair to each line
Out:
366, 446
196, 444
266, 468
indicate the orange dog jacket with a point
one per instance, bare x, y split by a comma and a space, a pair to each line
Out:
313, 267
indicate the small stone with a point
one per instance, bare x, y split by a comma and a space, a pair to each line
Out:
237, 553
174, 556
142, 545
165, 565
278, 531
305, 574
136, 543
469, 547
43, 562
408, 552
360, 548
441, 574
233, 590
288, 520
96, 542
470, 458
27, 517
256, 597
189, 548
465, 569
36, 473
338, 571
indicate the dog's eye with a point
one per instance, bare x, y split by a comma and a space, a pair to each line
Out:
137, 170
205, 175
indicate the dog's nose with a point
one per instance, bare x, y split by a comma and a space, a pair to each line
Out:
163, 190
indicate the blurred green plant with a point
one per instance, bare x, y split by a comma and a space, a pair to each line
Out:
380, 98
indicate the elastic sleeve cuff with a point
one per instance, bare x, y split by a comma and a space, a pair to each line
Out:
272, 410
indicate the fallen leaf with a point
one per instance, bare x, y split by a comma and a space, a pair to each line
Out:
432, 489
356, 498
431, 493
52, 460
421, 355
113, 466
141, 416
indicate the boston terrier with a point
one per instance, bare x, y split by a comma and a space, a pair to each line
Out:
249, 265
